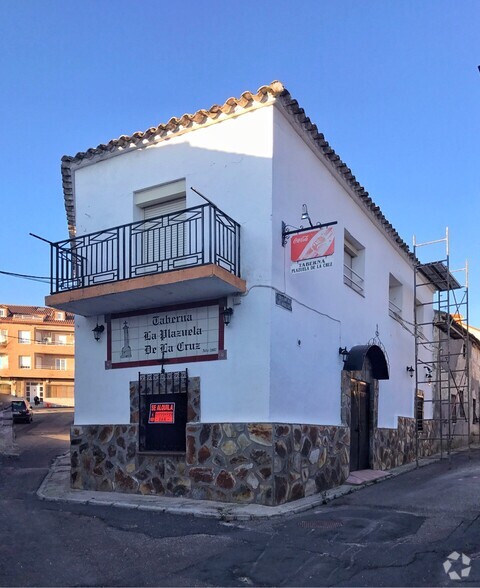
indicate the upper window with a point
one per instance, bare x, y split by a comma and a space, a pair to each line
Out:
60, 363
353, 264
24, 337
61, 339
25, 362
59, 316
165, 238
3, 312
395, 293
3, 336
161, 195
3, 361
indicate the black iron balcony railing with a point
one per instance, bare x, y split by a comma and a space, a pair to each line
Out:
189, 238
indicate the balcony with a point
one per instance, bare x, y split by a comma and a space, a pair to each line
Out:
180, 257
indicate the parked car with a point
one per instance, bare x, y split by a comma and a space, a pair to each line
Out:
22, 411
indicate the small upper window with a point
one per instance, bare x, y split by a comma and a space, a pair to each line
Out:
395, 294
60, 363
3, 336
161, 195
24, 337
3, 312
3, 361
59, 316
25, 362
353, 264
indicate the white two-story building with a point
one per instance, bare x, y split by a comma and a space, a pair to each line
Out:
244, 311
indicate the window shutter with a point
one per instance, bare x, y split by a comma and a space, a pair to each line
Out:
163, 241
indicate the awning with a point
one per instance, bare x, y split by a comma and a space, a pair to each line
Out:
356, 359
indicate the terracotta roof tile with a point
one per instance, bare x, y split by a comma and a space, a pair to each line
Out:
272, 92
46, 313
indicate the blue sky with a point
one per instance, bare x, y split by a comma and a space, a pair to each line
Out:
394, 87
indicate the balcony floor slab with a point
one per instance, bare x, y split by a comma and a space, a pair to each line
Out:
206, 282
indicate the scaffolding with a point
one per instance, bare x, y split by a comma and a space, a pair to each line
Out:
442, 354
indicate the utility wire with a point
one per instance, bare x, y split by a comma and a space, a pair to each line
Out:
43, 279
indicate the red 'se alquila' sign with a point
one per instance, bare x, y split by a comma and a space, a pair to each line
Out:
161, 413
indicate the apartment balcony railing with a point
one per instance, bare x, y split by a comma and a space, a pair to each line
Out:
189, 238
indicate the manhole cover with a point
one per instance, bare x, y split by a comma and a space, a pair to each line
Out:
324, 524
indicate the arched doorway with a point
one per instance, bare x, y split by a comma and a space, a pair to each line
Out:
364, 366
360, 425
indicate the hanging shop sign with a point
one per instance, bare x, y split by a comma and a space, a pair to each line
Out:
312, 250
161, 336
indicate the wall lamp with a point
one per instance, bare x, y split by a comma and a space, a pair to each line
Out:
305, 215
97, 331
344, 353
288, 230
227, 315
410, 370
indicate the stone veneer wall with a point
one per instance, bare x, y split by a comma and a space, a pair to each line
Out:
262, 463
265, 463
396, 447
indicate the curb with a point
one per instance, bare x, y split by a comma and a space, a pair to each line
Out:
55, 487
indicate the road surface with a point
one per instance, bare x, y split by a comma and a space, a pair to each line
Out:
395, 533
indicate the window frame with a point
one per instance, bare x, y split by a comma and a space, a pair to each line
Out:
22, 340
20, 362
395, 297
354, 270
61, 361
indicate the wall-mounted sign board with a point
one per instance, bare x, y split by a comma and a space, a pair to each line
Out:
175, 334
283, 300
311, 250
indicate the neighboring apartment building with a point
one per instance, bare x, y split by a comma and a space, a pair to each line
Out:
37, 354
222, 351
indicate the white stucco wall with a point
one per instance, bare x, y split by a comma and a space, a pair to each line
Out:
301, 177
281, 366
235, 172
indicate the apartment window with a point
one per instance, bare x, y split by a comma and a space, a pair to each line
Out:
353, 263
25, 362
3, 312
395, 292
60, 363
5, 389
419, 409
59, 391
61, 339
24, 337
3, 361
3, 337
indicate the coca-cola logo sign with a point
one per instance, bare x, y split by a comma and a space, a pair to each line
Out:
313, 244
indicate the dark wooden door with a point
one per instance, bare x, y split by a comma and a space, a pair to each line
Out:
163, 420
360, 427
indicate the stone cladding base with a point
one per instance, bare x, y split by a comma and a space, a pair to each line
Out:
396, 447
260, 463
250, 463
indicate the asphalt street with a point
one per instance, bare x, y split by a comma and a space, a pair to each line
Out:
395, 533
